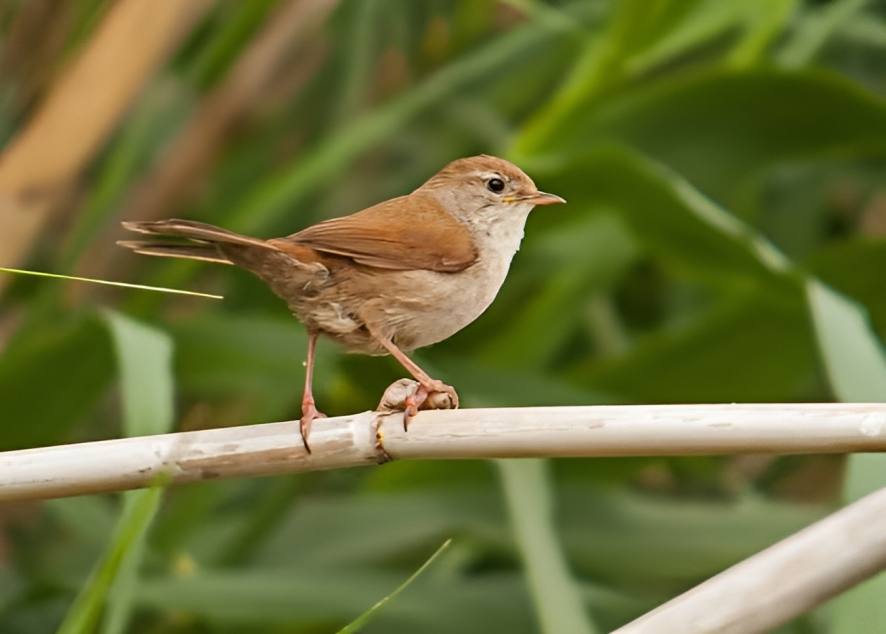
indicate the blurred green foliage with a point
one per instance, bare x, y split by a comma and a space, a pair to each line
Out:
723, 161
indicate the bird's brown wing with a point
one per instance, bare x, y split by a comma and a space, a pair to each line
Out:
409, 232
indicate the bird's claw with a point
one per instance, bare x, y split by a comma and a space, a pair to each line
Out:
409, 396
309, 413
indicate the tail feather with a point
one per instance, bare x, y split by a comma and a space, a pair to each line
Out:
192, 230
188, 251
198, 241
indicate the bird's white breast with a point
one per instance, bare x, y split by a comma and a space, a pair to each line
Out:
454, 300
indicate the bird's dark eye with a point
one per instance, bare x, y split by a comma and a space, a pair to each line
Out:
496, 185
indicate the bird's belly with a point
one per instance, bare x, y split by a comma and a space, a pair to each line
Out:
414, 308
448, 303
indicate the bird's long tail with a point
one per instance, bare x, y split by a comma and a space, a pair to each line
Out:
189, 240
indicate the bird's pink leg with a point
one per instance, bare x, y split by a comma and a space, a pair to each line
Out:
426, 385
309, 410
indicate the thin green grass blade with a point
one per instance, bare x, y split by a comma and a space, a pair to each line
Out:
92, 280
144, 358
764, 22
558, 603
361, 621
815, 29
83, 617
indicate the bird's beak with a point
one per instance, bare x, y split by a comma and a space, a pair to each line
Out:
543, 198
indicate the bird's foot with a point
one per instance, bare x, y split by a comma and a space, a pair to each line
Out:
309, 413
409, 396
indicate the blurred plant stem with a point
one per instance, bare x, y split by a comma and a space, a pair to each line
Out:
597, 66
38, 167
605, 326
191, 154
814, 30
358, 70
288, 187
530, 498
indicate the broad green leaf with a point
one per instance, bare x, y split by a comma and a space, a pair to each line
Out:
866, 29
51, 379
856, 367
614, 533
323, 598
762, 116
445, 602
601, 249
838, 265
144, 365
852, 355
144, 362
635, 36
363, 620
701, 21
10, 587
673, 219
216, 353
144, 357
527, 489
483, 385
714, 356
254, 357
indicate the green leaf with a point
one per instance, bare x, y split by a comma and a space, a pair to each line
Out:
321, 598
558, 605
701, 21
635, 37
616, 532
483, 385
762, 116
838, 265
672, 218
600, 250
856, 368
714, 356
144, 358
253, 356
852, 355
643, 540
361, 621
280, 191
765, 20
144, 363
50, 379
814, 30
84, 614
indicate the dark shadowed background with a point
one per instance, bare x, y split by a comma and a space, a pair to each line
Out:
723, 161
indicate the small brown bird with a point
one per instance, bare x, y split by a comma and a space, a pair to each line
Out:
400, 275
